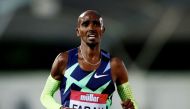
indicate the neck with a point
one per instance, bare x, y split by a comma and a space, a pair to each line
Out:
90, 55
90, 52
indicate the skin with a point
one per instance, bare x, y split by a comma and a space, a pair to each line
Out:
90, 30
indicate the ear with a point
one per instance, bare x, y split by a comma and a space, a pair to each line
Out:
78, 32
103, 29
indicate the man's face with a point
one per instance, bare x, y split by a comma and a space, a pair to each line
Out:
90, 28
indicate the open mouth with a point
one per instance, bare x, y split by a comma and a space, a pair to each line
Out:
91, 36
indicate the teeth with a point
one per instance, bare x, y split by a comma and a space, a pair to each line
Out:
92, 35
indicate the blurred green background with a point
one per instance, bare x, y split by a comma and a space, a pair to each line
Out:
151, 36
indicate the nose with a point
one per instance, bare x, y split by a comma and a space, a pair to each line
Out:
91, 26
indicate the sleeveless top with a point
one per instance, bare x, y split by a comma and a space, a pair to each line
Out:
82, 89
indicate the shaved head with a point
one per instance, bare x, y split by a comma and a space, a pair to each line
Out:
89, 13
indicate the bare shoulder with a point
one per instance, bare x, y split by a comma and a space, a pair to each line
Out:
116, 62
119, 70
62, 57
59, 65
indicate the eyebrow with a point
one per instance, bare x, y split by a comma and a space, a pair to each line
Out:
96, 20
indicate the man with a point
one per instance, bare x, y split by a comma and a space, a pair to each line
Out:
86, 75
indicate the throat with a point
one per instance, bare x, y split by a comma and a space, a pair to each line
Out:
92, 45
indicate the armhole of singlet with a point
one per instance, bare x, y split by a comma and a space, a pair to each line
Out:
105, 54
71, 57
109, 57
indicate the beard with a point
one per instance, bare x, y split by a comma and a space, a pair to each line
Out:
92, 45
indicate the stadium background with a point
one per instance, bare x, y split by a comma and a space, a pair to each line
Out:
152, 37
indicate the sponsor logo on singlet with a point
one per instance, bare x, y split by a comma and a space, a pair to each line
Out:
84, 100
89, 97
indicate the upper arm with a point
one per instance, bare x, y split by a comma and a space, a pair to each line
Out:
59, 66
119, 71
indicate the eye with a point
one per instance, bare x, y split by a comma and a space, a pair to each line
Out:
85, 23
96, 23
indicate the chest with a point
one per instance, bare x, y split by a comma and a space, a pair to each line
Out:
90, 81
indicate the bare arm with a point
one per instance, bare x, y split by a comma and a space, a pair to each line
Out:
120, 75
53, 82
119, 71
59, 66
